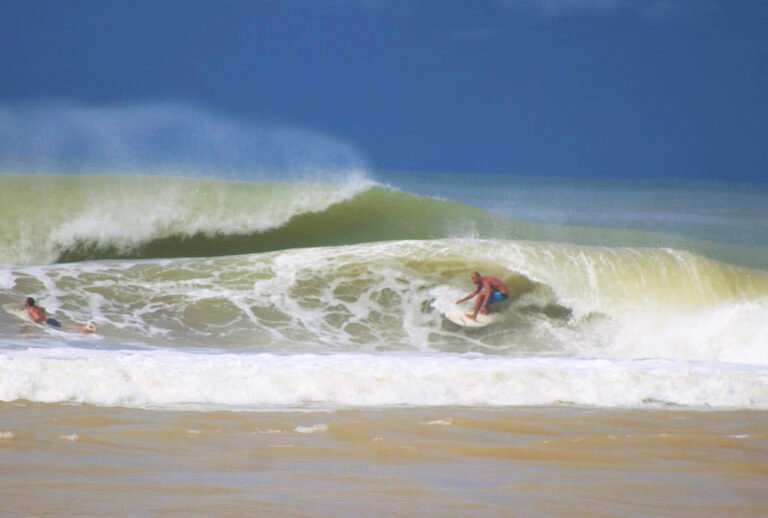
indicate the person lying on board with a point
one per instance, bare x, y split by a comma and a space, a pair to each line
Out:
40, 315
488, 290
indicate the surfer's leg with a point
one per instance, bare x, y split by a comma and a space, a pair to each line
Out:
86, 328
480, 304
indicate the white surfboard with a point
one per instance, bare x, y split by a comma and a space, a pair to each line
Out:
458, 316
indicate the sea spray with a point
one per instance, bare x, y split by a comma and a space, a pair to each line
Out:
166, 138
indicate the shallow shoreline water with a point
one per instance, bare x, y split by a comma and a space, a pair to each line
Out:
70, 460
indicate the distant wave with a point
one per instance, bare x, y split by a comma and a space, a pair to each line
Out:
58, 218
49, 218
64, 218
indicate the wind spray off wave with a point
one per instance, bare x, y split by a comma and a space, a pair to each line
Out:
166, 138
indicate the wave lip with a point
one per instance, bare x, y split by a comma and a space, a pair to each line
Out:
262, 381
48, 218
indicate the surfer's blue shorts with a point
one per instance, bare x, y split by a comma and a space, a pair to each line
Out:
496, 296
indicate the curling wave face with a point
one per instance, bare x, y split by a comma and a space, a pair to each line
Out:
564, 300
48, 218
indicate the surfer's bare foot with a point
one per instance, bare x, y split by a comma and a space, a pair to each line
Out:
470, 315
87, 328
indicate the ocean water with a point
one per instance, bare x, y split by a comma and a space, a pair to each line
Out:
262, 339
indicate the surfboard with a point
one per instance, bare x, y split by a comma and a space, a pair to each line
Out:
458, 316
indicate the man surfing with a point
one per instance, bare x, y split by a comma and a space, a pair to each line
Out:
488, 290
40, 315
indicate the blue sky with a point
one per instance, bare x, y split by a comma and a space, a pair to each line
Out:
584, 88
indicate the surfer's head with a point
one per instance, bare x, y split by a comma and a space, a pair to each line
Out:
29, 301
476, 277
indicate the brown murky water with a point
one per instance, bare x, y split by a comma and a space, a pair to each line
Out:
60, 460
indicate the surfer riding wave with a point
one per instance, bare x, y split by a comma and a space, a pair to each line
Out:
489, 290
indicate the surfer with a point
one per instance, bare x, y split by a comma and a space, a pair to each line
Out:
488, 290
40, 315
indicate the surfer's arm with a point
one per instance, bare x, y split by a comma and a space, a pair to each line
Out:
470, 295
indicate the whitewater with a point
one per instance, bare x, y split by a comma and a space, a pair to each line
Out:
264, 294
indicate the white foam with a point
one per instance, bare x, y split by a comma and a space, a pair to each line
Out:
438, 422
168, 379
7, 279
312, 429
734, 332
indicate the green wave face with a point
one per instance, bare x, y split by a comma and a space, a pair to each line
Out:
60, 218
